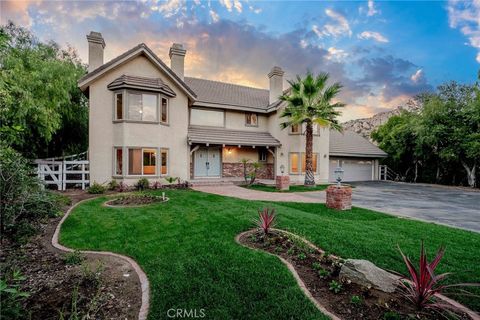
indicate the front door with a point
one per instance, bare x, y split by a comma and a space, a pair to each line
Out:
207, 162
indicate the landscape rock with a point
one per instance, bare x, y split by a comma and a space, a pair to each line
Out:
365, 273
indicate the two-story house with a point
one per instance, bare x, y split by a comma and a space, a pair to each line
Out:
148, 120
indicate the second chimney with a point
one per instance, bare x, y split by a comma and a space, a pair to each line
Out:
177, 59
96, 44
276, 84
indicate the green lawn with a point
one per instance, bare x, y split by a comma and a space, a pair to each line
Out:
186, 246
297, 188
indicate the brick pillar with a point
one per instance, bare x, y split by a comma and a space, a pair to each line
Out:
339, 198
283, 182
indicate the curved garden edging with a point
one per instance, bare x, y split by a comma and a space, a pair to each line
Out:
144, 284
300, 283
108, 204
473, 315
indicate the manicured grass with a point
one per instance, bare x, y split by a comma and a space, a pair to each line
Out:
297, 188
186, 246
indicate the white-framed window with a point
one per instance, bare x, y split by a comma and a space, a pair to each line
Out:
262, 155
295, 129
141, 106
118, 158
163, 110
142, 161
251, 119
164, 161
298, 162
207, 117
118, 97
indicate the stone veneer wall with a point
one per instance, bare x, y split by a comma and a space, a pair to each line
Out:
236, 170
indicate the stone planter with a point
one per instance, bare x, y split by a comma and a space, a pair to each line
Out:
282, 183
339, 198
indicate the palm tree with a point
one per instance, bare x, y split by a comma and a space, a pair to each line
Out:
309, 101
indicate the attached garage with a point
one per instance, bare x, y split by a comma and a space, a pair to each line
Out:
357, 156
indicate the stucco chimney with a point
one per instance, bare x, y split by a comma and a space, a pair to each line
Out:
96, 44
276, 83
177, 59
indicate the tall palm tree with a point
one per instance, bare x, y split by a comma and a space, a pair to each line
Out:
309, 102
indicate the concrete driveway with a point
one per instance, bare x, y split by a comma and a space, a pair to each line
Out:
446, 205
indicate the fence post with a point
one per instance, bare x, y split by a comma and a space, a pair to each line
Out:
83, 176
64, 176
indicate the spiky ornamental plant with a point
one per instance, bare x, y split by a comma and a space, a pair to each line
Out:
266, 220
423, 283
309, 102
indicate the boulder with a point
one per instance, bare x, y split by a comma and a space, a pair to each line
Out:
365, 273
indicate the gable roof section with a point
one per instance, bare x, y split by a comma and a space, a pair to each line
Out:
208, 135
142, 48
229, 96
351, 144
133, 82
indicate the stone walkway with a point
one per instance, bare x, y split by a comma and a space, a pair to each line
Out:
248, 194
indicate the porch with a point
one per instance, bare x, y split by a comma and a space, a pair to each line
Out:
216, 154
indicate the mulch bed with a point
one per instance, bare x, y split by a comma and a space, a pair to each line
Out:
101, 287
136, 200
317, 270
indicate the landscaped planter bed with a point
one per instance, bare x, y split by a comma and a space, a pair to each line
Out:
135, 200
317, 270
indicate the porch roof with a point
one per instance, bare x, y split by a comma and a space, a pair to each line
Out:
231, 137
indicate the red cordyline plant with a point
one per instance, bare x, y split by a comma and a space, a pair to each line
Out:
423, 283
266, 219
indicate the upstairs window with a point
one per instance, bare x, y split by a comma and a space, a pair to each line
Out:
295, 129
118, 106
164, 111
205, 117
251, 119
142, 107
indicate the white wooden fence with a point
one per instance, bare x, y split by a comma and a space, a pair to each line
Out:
64, 172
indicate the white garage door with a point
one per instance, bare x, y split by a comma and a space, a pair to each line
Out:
354, 170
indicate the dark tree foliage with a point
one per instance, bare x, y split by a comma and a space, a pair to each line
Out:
441, 142
42, 111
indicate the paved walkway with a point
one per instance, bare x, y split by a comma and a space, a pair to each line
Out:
248, 194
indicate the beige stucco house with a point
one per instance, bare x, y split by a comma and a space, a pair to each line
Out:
149, 120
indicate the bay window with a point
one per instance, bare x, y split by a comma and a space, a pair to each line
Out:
139, 106
164, 161
118, 161
140, 161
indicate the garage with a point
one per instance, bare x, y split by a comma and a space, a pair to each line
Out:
358, 157
353, 169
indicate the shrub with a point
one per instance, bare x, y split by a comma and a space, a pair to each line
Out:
302, 256
335, 287
96, 188
142, 184
424, 283
156, 185
391, 315
11, 296
316, 266
24, 200
113, 185
266, 220
122, 187
171, 180
356, 300
323, 273
73, 258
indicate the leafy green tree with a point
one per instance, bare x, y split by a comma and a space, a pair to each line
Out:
309, 102
42, 111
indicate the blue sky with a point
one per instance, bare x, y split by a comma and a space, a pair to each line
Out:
382, 52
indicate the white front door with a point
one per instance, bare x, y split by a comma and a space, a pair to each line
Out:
207, 162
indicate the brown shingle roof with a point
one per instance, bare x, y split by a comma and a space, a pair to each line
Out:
350, 144
134, 82
230, 137
228, 94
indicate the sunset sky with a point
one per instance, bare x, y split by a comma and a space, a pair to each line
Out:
382, 52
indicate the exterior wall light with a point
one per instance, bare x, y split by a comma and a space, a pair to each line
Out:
282, 169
